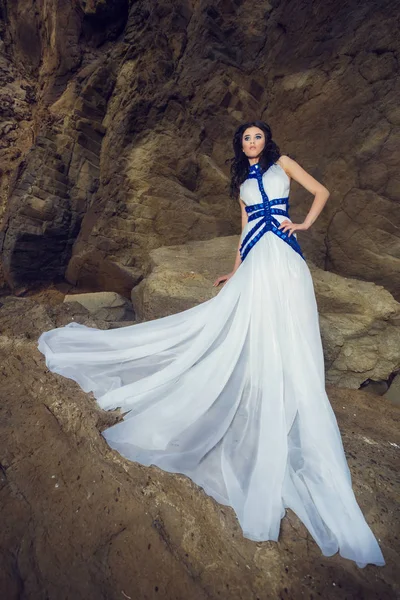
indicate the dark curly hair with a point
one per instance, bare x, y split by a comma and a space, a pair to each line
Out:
240, 163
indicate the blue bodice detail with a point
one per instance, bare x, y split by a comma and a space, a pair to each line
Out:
265, 212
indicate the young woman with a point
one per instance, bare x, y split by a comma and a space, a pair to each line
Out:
232, 391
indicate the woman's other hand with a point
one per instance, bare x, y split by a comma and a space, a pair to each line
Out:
223, 278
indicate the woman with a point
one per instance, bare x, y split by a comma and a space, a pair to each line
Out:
232, 391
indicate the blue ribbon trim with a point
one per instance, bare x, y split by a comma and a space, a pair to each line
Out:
267, 222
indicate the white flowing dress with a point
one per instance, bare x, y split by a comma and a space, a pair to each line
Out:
232, 391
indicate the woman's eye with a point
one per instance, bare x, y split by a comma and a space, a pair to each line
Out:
258, 137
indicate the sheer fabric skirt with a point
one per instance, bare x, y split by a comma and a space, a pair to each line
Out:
232, 394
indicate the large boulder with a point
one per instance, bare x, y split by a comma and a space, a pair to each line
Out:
106, 306
181, 276
359, 321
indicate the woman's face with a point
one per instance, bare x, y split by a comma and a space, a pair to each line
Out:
253, 142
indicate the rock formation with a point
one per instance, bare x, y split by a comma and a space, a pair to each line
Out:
359, 321
116, 129
105, 306
116, 120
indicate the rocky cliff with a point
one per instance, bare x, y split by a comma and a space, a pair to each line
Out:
117, 121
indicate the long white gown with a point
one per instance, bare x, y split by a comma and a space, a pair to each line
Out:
232, 391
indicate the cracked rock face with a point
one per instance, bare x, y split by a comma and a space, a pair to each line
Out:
116, 129
81, 522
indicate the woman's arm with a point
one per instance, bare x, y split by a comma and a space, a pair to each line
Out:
321, 194
238, 259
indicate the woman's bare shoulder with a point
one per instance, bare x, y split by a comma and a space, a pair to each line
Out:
296, 172
284, 162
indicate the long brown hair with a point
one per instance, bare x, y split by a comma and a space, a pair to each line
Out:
240, 163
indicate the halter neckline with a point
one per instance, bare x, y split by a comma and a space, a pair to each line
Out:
254, 168
257, 168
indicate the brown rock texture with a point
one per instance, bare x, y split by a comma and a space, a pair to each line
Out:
79, 521
117, 120
107, 306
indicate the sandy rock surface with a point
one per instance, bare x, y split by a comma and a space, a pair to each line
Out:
81, 522
106, 306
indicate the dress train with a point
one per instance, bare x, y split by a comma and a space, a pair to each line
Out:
232, 394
